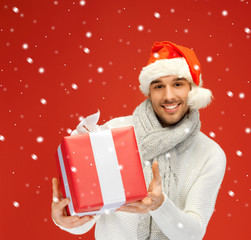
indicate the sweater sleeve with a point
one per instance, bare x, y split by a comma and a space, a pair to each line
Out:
191, 222
81, 229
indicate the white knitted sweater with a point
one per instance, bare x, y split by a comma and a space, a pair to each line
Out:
200, 174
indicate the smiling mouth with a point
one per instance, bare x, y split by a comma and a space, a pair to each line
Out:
171, 108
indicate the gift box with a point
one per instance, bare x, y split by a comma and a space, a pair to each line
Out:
100, 171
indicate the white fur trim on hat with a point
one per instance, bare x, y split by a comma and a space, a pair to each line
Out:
162, 68
199, 97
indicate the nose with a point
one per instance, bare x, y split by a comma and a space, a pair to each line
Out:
169, 94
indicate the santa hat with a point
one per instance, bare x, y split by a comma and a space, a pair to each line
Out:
170, 59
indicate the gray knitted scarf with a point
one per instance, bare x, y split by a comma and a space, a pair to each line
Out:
162, 144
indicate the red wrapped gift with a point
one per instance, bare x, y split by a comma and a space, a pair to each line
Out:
100, 171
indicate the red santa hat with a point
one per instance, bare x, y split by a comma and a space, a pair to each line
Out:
170, 59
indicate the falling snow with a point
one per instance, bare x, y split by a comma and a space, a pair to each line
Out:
82, 2
15, 10
239, 153
88, 34
41, 70
241, 95
73, 169
209, 59
29, 60
224, 13
40, 139
231, 193
247, 130
157, 15
68, 130
180, 225
100, 70
230, 94
86, 50
147, 163
196, 67
34, 156
187, 130
247, 30
16, 204
140, 28
212, 134
2, 138
74, 86
25, 46
43, 101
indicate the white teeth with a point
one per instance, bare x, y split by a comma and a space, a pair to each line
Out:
171, 107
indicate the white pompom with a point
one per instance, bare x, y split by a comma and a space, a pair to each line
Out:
199, 97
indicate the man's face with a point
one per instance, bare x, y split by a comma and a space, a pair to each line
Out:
169, 99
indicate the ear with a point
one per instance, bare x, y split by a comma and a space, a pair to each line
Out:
149, 96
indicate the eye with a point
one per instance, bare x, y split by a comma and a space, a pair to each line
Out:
158, 86
178, 84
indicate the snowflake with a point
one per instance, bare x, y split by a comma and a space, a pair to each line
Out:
15, 10
29, 60
230, 94
224, 13
25, 46
16, 204
68, 130
212, 134
88, 34
41, 70
241, 95
247, 30
2, 138
231, 193
180, 225
86, 50
43, 101
247, 130
40, 139
209, 59
157, 15
74, 86
100, 69
239, 153
34, 156
140, 28
82, 3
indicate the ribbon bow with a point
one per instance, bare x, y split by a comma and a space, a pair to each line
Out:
89, 124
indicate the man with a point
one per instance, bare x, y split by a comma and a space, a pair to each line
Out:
183, 168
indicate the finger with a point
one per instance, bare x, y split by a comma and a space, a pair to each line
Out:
63, 203
75, 221
155, 169
129, 208
153, 196
56, 188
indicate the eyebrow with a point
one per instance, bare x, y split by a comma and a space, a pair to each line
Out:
175, 79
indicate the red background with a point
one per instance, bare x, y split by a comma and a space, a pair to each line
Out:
55, 32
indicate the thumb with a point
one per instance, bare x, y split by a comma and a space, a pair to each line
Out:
56, 188
155, 169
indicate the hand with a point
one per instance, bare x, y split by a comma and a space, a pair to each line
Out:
154, 199
58, 209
